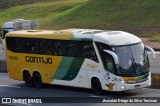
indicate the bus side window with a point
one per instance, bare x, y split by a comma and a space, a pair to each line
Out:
106, 58
35, 46
15, 44
88, 51
45, 47
11, 43
48, 47
73, 48
19, 47
28, 46
109, 63
59, 48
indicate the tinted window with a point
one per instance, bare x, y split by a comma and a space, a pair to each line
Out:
74, 49
52, 47
10, 43
88, 51
109, 63
106, 58
59, 48
45, 47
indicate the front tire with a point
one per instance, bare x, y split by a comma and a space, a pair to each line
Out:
37, 80
96, 86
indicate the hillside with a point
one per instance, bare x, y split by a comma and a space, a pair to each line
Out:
4, 4
141, 17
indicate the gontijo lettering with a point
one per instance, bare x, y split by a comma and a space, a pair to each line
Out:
34, 59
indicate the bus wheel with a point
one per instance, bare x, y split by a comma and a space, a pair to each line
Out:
28, 79
96, 86
37, 80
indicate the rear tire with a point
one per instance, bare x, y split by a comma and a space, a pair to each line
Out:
37, 80
96, 86
28, 79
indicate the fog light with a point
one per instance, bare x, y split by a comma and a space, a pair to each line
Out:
149, 83
123, 81
122, 87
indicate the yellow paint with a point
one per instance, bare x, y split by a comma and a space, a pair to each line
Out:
16, 63
110, 86
16, 67
130, 78
91, 66
44, 34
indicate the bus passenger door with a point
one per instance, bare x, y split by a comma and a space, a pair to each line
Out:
110, 76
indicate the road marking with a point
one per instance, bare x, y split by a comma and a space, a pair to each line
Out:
102, 97
152, 89
10, 86
95, 96
3, 74
25, 104
152, 61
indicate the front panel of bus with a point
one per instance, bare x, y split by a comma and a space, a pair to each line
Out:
132, 71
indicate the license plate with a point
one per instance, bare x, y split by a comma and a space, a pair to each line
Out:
137, 86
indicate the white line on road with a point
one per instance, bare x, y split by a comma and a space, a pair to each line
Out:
3, 74
25, 104
95, 96
152, 89
10, 86
157, 52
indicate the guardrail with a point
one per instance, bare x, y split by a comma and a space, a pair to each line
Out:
155, 81
3, 67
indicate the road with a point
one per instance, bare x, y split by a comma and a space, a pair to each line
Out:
12, 88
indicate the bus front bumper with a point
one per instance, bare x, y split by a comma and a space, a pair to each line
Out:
123, 86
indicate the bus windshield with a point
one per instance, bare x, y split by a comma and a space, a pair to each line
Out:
133, 60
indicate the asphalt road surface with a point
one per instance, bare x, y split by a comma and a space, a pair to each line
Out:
12, 88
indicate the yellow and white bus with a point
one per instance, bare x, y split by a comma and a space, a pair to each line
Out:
97, 59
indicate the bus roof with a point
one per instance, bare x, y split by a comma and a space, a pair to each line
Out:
108, 37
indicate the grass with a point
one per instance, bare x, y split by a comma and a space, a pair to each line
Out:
4, 4
40, 11
140, 17
155, 38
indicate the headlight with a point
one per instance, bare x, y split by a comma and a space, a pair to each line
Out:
123, 81
149, 83
122, 87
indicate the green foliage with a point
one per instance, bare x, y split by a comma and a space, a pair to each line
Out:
4, 4
140, 17
155, 38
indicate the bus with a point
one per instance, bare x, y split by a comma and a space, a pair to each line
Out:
15, 25
87, 58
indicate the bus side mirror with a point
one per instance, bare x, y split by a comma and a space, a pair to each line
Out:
114, 56
151, 50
